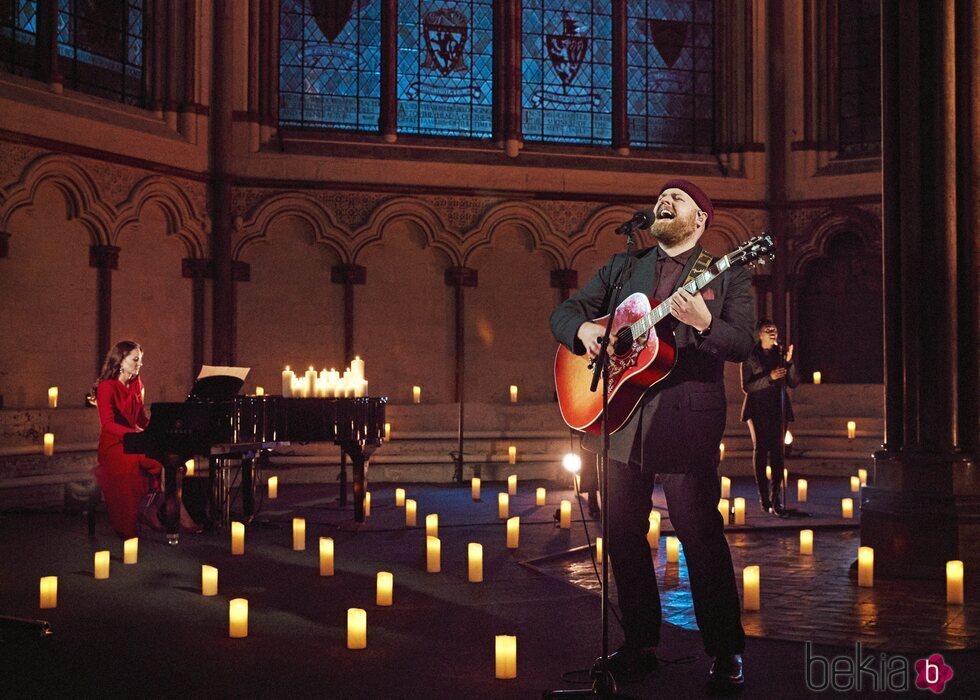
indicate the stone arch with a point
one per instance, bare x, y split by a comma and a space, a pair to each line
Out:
524, 214
822, 230
437, 234
190, 226
726, 233
325, 230
587, 239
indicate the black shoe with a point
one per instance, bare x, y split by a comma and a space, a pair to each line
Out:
629, 663
726, 676
766, 507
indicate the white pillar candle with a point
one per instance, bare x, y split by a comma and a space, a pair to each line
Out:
49, 592
788, 439
565, 519
309, 384
863, 476
189, 468
513, 393
48, 448
817, 377
855, 484
433, 555
260, 391
806, 542
786, 478
237, 618
209, 580
954, 582
475, 488
750, 588
386, 583
512, 454
474, 572
326, 556
801, 490
740, 511
357, 368
387, 432
513, 532
367, 504
416, 394
866, 567
505, 656
131, 550
725, 508
288, 378
847, 508
273, 485
503, 506
768, 473
726, 487
299, 534
851, 429
400, 498
356, 628
653, 534
673, 550
512, 484
598, 550
237, 538
540, 496
53, 397
410, 508
432, 525
101, 566
721, 451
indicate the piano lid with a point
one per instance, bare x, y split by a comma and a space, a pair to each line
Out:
218, 383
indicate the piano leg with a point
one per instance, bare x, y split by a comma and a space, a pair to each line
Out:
170, 517
359, 455
343, 477
248, 483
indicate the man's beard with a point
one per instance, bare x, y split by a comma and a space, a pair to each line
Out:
671, 232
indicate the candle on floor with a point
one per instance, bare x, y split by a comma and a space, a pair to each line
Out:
847, 507
540, 496
565, 519
432, 525
209, 580
273, 486
866, 567
739, 511
410, 508
416, 394
49, 591
673, 550
53, 397
768, 473
598, 550
189, 468
851, 429
505, 656
474, 572
817, 377
387, 432
326, 556
855, 484
750, 588
513, 532
512, 454
101, 568
863, 476
475, 488
721, 451
503, 506
238, 618
653, 534
386, 584
513, 393
786, 477
48, 448
367, 504
512, 484
131, 550
806, 541
954, 582
725, 508
400, 498
801, 490
237, 538
433, 555
788, 440
299, 534
356, 628
726, 487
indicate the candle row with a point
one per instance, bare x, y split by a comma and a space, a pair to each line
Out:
326, 384
417, 394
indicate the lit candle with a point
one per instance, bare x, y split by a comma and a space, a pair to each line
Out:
299, 534
49, 591
512, 454
855, 484
475, 488
750, 588
400, 498
565, 520
863, 476
540, 496
851, 429
513, 532
131, 550
673, 550
309, 383
725, 508
801, 490
356, 628
739, 511
48, 444
367, 504
416, 394
505, 666
806, 541
189, 468
721, 451
326, 556
410, 513
386, 583
432, 525
866, 567
288, 377
726, 487
512, 484
817, 377
653, 534
788, 440
475, 561
598, 550
387, 432
503, 506
237, 618
786, 477
53, 397
357, 368
847, 507
237, 538
433, 554
260, 391
209, 580
954, 582
273, 485
102, 564
768, 473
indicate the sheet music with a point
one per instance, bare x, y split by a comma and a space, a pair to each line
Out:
237, 372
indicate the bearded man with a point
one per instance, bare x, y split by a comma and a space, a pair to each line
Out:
674, 432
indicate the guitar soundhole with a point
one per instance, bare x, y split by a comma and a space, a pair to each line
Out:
623, 345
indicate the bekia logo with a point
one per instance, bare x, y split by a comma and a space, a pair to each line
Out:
876, 672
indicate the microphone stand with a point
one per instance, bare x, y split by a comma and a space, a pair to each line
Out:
603, 684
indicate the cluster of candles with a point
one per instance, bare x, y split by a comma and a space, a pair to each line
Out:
326, 383
734, 510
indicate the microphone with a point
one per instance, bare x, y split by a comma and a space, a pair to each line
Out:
643, 218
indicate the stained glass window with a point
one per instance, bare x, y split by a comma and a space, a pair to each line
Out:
567, 66
670, 74
445, 68
859, 42
101, 45
330, 63
18, 34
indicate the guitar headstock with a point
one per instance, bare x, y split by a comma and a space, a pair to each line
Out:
755, 251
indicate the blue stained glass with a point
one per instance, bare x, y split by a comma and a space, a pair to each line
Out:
567, 71
18, 27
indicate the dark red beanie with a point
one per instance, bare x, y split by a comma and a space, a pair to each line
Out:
695, 193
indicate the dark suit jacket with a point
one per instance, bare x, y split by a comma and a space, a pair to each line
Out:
762, 394
679, 422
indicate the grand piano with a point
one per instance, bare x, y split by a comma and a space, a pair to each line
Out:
216, 423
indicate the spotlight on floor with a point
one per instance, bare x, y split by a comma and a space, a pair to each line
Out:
572, 463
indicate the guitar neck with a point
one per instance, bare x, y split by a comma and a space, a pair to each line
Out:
663, 309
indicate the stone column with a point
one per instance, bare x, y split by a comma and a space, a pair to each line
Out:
105, 259
620, 119
197, 270
46, 63
458, 278
564, 281
348, 275
388, 118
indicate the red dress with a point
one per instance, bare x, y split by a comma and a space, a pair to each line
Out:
124, 478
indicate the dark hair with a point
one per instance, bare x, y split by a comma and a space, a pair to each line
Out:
763, 322
113, 363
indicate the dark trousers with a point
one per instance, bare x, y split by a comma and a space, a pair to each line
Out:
692, 503
767, 448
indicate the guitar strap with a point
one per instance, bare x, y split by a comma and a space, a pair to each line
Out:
700, 265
